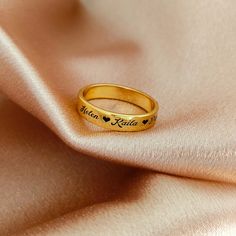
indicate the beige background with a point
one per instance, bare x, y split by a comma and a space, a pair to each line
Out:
60, 175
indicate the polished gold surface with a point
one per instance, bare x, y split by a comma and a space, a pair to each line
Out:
117, 121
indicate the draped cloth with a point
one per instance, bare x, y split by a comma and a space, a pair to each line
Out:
60, 175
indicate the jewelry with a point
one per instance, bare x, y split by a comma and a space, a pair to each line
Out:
117, 121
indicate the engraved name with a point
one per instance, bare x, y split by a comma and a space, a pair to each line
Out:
85, 110
121, 122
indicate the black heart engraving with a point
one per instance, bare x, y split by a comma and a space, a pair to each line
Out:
106, 119
145, 122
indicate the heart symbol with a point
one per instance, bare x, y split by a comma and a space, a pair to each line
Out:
106, 119
145, 122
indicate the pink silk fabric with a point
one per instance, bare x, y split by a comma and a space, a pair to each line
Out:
60, 175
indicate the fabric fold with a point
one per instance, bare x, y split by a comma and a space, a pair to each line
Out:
48, 55
182, 53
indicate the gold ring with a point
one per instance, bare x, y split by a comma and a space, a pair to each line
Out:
117, 121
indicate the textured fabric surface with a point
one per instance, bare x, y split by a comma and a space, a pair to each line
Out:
60, 175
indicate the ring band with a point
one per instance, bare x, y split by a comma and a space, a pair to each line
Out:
117, 121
